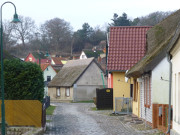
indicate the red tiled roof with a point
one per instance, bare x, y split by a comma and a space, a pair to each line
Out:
44, 66
127, 45
57, 60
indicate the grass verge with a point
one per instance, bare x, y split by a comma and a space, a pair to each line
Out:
50, 110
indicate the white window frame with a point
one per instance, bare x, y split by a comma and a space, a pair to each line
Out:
58, 92
67, 92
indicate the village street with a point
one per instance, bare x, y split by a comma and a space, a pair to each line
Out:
80, 119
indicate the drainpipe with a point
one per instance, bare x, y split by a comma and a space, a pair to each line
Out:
170, 83
107, 44
102, 79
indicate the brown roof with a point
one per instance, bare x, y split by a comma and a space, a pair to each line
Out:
126, 46
158, 39
70, 73
57, 60
44, 66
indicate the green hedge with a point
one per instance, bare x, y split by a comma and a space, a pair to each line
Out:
23, 80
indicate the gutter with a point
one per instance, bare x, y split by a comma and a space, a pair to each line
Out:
170, 84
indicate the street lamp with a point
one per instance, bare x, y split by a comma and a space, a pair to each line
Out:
15, 20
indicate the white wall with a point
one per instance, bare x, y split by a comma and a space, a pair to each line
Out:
160, 88
49, 72
176, 87
83, 55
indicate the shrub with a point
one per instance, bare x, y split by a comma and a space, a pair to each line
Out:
23, 80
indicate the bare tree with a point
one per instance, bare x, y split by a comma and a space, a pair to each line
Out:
8, 41
58, 33
24, 31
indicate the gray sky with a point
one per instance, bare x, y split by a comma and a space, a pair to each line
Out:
94, 12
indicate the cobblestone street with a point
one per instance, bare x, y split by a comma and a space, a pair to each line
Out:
80, 119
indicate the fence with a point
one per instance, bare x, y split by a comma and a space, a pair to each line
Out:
123, 105
23, 112
46, 101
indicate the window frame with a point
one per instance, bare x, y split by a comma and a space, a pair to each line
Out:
58, 92
147, 91
66, 92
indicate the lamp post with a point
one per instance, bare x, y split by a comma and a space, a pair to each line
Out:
15, 20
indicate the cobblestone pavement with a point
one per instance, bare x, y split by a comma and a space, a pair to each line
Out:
79, 119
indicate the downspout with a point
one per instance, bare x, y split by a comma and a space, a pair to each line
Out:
170, 83
107, 43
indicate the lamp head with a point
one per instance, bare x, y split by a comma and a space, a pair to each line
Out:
16, 19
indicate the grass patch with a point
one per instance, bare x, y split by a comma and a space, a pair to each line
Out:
50, 110
93, 108
89, 101
48, 121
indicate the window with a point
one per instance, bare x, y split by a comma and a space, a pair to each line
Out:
135, 96
48, 78
131, 90
147, 91
58, 93
30, 59
67, 92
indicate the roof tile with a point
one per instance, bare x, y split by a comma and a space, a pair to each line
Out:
126, 46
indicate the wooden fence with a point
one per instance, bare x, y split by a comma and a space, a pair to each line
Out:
23, 112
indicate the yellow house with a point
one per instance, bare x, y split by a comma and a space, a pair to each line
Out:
126, 46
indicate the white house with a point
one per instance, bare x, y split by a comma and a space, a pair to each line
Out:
174, 52
83, 55
153, 71
48, 73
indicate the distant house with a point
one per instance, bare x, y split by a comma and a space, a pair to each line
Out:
57, 63
151, 74
76, 81
90, 53
48, 73
126, 46
37, 57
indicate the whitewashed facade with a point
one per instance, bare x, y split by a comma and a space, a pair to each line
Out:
176, 88
48, 74
83, 55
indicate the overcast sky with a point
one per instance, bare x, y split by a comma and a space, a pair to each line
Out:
94, 12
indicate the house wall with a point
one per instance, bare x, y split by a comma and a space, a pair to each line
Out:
145, 113
88, 82
136, 104
176, 88
52, 92
50, 72
83, 55
110, 80
160, 88
120, 87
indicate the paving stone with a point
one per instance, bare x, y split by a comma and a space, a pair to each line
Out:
79, 119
